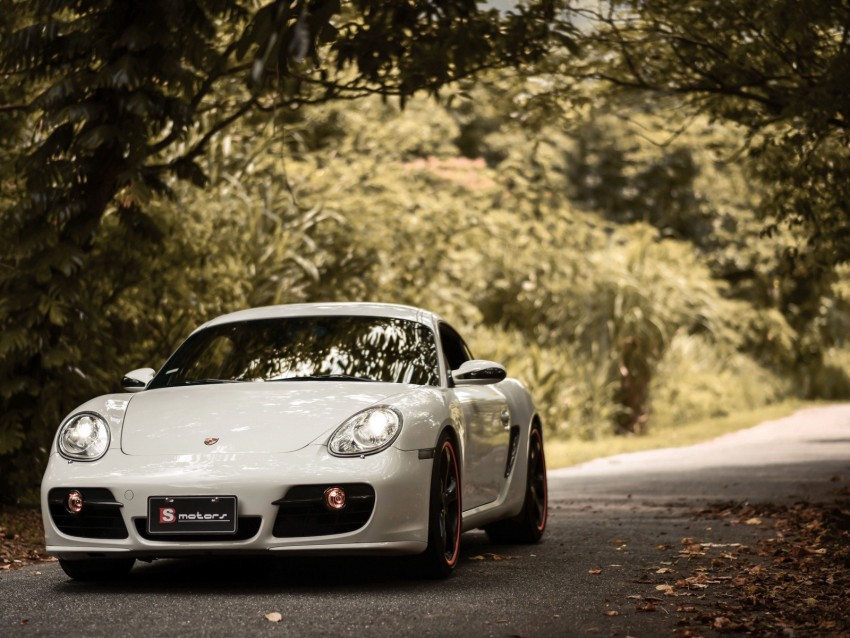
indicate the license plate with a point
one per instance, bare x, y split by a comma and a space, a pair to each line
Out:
192, 515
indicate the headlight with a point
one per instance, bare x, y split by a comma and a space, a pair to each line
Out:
84, 437
366, 432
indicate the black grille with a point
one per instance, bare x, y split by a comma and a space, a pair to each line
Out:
99, 518
246, 527
302, 511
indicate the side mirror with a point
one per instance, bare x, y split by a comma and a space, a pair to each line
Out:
137, 380
478, 372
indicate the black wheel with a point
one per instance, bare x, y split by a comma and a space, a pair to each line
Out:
444, 520
529, 525
97, 568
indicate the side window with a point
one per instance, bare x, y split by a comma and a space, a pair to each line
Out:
454, 349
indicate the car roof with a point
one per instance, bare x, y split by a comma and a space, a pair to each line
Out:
362, 309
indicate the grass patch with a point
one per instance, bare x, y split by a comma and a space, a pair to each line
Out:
564, 453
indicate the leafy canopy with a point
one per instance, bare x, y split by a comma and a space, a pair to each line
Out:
779, 69
108, 105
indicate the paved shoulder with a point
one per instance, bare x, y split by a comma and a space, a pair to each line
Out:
782, 460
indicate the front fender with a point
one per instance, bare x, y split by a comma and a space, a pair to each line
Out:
425, 414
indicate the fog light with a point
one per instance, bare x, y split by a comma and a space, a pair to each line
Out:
74, 502
334, 498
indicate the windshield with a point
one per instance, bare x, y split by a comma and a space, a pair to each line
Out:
305, 348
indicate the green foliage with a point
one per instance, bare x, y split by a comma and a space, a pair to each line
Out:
586, 310
109, 108
698, 379
777, 69
390, 48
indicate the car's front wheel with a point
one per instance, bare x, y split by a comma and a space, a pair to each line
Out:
97, 568
444, 516
528, 526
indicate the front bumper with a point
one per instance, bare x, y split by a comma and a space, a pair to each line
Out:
398, 524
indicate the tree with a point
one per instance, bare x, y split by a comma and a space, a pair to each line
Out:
119, 100
779, 69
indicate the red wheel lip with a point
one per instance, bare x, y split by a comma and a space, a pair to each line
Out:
453, 560
542, 525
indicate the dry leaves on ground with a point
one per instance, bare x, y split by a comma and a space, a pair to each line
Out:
794, 578
21, 538
495, 557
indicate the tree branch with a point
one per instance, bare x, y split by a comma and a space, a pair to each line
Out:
200, 146
8, 108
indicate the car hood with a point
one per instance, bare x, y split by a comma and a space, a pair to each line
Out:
245, 417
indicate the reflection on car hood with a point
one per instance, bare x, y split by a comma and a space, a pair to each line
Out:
245, 417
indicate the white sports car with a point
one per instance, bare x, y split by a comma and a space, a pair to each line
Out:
314, 428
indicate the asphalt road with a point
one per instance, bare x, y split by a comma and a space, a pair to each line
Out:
609, 516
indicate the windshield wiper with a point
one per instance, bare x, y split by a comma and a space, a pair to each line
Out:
206, 381
324, 377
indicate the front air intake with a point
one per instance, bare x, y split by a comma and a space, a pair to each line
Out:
97, 515
303, 512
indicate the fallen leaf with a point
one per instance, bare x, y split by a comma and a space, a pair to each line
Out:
664, 570
274, 616
594, 571
722, 545
612, 612
692, 583
646, 607
720, 623
753, 521
496, 557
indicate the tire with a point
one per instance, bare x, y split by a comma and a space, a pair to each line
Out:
444, 514
97, 568
528, 526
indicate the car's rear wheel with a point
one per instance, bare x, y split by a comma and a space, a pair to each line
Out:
529, 525
444, 516
97, 568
